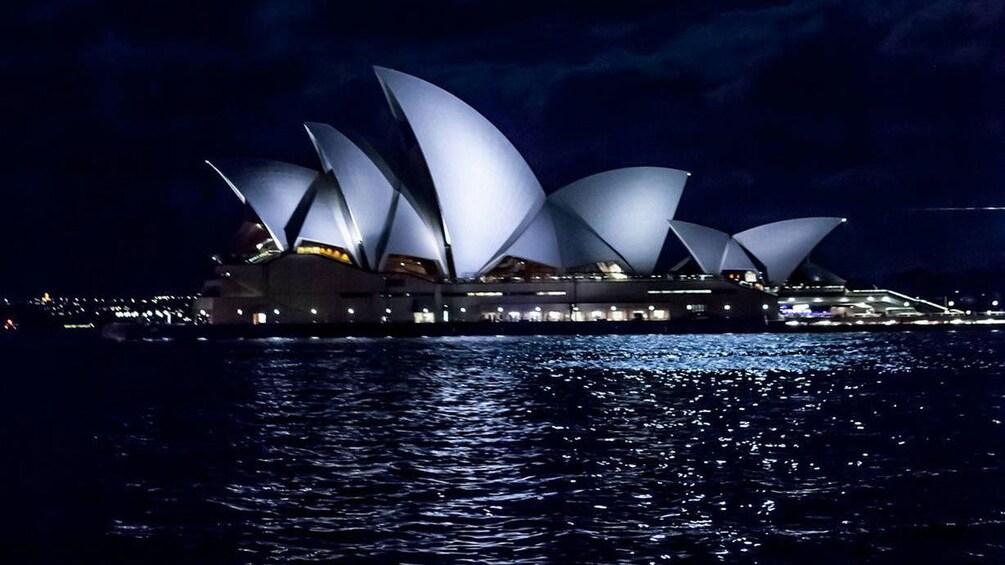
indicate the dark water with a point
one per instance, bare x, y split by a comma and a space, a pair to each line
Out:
734, 448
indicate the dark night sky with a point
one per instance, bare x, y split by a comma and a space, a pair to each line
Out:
852, 108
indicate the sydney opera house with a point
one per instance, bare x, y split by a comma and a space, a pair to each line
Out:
461, 230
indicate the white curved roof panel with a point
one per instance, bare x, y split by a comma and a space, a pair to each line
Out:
577, 243
367, 192
538, 242
714, 250
327, 222
781, 246
484, 187
411, 236
734, 258
627, 208
273, 189
706, 245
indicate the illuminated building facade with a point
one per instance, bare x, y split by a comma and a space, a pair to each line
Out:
464, 232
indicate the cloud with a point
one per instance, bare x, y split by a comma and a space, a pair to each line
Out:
947, 32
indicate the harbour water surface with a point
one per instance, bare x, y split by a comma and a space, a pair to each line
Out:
877, 448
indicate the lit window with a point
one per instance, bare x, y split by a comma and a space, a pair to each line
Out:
325, 251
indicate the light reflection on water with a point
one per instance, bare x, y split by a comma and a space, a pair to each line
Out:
602, 449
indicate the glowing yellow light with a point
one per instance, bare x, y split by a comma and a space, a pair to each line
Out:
324, 251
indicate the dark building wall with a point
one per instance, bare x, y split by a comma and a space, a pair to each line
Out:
305, 289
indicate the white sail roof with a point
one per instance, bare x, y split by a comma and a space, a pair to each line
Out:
474, 200
714, 250
734, 258
706, 245
273, 189
326, 222
367, 193
628, 209
411, 236
781, 246
538, 242
579, 245
484, 188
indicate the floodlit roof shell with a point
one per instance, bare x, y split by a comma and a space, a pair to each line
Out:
781, 246
627, 209
484, 188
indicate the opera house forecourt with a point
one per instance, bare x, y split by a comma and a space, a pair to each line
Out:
462, 231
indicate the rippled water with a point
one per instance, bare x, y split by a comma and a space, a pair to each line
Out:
736, 448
